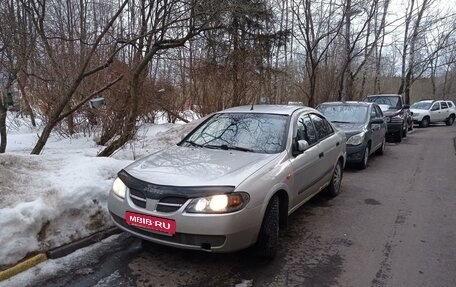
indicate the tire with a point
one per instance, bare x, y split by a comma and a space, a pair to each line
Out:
398, 137
333, 189
404, 131
450, 120
363, 163
381, 149
266, 246
424, 122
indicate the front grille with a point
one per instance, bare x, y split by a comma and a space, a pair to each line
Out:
170, 204
181, 238
138, 198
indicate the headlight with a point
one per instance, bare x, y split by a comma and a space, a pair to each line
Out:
356, 139
415, 114
221, 203
119, 188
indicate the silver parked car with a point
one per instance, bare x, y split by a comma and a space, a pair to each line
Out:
233, 181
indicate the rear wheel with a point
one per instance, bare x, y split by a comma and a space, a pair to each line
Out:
266, 246
404, 131
333, 188
424, 122
381, 149
450, 120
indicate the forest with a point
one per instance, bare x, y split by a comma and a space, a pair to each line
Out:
140, 57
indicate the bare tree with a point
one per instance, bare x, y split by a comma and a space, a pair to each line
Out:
319, 25
163, 25
70, 82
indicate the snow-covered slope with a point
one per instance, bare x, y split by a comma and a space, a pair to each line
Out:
60, 196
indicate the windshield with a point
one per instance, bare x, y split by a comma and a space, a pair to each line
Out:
421, 105
252, 132
393, 102
344, 113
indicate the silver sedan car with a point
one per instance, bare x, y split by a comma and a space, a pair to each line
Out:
232, 182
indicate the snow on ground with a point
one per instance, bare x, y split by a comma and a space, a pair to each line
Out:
60, 196
87, 255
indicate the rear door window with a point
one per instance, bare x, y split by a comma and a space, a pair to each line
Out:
444, 105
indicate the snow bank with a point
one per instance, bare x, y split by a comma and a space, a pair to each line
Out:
60, 196
48, 201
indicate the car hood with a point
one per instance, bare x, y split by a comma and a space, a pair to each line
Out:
417, 110
194, 166
350, 128
390, 112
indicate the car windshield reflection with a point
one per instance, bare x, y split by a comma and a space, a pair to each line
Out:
421, 105
248, 132
392, 102
344, 113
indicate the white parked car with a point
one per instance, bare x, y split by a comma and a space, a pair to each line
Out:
433, 111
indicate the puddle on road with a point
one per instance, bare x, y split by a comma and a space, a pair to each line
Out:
371, 201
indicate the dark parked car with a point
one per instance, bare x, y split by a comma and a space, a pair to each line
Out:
364, 126
398, 116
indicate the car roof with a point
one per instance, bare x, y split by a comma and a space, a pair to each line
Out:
426, 101
385, 95
349, 103
267, 109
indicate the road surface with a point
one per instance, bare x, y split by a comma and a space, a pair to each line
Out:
394, 224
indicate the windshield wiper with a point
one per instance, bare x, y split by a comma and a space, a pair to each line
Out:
192, 143
237, 148
341, 122
228, 147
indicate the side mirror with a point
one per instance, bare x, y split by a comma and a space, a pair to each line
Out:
299, 147
406, 107
303, 145
377, 121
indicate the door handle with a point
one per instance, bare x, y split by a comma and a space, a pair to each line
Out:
321, 155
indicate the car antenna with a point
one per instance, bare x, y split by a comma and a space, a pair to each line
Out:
251, 108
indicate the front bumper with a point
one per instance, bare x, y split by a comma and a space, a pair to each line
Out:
355, 154
208, 232
394, 128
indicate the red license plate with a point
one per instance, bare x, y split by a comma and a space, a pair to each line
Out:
151, 222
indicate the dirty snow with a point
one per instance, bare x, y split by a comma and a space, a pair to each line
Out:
60, 195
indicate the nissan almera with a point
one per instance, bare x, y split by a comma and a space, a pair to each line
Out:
231, 182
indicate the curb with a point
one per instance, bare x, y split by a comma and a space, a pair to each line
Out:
22, 266
57, 252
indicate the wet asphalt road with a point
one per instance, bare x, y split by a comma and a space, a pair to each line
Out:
394, 224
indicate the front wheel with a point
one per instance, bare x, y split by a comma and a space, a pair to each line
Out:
424, 122
266, 246
404, 131
363, 163
398, 137
333, 188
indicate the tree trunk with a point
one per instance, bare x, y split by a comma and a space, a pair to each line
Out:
3, 137
28, 108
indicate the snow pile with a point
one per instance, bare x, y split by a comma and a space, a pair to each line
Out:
60, 196
51, 200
